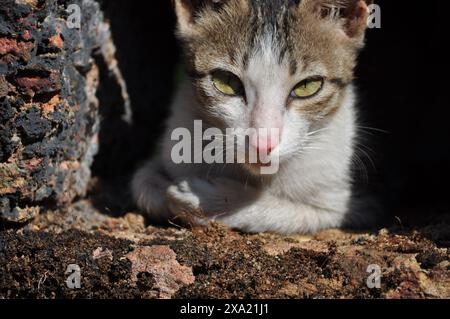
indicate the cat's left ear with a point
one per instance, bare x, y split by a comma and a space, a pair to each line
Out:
187, 12
351, 15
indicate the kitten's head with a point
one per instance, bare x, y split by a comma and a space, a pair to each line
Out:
272, 64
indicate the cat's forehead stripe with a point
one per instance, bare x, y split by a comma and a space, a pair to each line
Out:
271, 19
272, 11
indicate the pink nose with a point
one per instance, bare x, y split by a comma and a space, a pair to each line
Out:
264, 143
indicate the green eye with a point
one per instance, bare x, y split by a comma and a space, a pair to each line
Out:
227, 83
307, 88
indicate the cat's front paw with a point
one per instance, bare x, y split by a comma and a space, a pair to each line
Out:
205, 199
187, 198
181, 198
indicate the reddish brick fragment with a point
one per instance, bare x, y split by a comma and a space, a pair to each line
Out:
36, 84
11, 49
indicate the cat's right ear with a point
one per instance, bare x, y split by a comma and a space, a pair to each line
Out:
350, 16
187, 12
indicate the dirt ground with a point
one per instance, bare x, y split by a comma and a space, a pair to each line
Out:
123, 257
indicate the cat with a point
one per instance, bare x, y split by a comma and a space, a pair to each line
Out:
280, 65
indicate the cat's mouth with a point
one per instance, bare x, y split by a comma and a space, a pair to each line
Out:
261, 170
262, 167
259, 164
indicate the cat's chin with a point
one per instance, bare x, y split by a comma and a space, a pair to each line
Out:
257, 169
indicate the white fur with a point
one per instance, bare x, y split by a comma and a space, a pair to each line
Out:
310, 192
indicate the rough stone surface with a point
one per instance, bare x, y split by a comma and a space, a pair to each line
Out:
49, 121
160, 264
